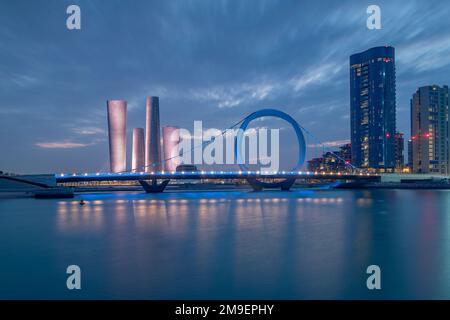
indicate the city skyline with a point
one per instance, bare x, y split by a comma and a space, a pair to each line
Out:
67, 113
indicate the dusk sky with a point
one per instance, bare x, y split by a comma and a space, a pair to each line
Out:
214, 61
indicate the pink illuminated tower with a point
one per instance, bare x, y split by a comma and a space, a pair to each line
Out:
138, 152
117, 119
152, 136
171, 140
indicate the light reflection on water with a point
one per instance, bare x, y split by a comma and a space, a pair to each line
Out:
281, 245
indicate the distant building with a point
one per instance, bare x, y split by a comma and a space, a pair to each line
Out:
171, 152
429, 130
117, 119
399, 155
138, 151
152, 136
410, 159
337, 161
345, 152
372, 104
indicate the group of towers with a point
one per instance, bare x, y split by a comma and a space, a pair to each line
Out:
375, 143
146, 145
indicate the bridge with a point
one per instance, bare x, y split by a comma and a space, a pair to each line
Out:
254, 178
258, 180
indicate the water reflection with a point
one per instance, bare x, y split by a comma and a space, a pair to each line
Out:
71, 216
300, 244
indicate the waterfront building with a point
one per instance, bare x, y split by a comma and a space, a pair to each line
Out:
410, 161
332, 161
429, 130
171, 140
117, 119
399, 155
372, 108
152, 135
138, 150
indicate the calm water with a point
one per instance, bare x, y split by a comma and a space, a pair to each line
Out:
241, 245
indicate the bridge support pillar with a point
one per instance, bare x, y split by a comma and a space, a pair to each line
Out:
153, 187
284, 185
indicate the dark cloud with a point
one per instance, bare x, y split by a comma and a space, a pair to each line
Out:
214, 61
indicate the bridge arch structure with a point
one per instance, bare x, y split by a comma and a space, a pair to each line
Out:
256, 184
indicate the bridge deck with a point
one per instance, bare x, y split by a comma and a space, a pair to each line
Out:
196, 175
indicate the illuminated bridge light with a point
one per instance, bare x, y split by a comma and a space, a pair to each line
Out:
203, 172
257, 172
97, 174
240, 172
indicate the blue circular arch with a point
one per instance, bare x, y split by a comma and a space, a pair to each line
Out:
269, 113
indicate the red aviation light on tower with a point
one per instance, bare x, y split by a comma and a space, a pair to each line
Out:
388, 135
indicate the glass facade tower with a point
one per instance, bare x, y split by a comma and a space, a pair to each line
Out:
372, 108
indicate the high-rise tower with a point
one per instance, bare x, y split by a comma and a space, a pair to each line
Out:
372, 104
117, 119
152, 135
138, 152
429, 130
171, 140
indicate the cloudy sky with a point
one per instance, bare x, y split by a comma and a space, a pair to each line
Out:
209, 60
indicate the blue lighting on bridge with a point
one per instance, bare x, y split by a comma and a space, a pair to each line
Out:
200, 174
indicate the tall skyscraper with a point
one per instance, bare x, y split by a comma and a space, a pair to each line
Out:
429, 130
171, 140
152, 135
138, 152
117, 119
372, 108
